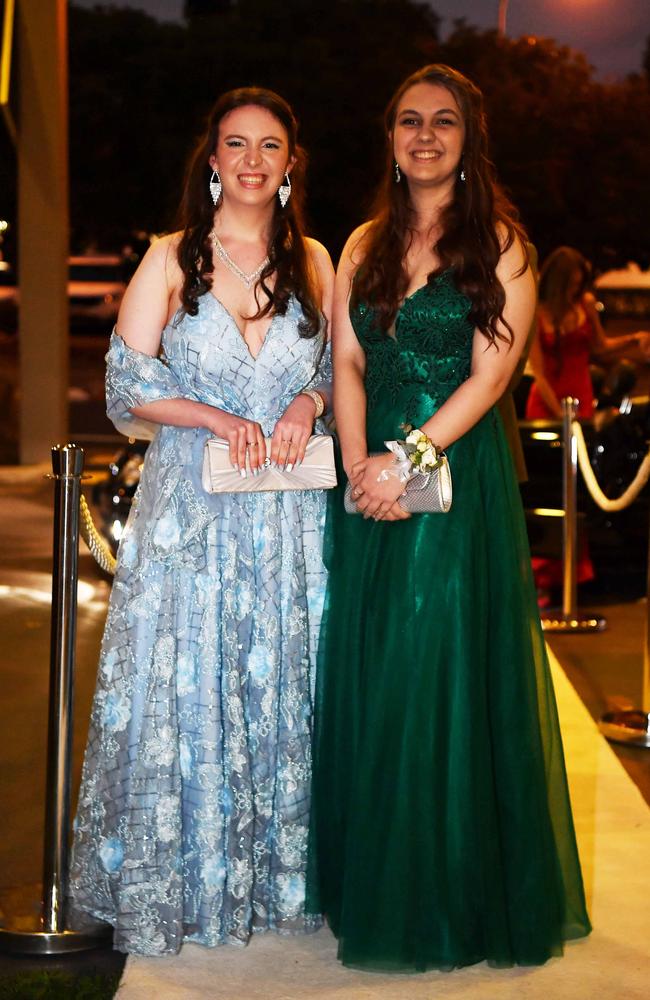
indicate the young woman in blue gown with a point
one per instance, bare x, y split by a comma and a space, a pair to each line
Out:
194, 805
441, 825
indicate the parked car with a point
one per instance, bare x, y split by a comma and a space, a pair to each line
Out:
617, 443
112, 496
96, 286
625, 294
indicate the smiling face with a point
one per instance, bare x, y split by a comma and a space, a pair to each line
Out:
252, 155
428, 135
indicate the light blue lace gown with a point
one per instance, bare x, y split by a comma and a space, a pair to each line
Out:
194, 804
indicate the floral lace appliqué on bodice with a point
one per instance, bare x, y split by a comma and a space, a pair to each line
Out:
431, 348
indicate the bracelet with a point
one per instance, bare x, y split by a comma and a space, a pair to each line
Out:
317, 400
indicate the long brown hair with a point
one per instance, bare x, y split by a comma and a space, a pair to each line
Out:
288, 256
555, 278
470, 244
554, 281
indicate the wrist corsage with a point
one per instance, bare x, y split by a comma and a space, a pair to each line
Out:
422, 467
415, 455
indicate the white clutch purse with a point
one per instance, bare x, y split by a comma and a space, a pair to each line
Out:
316, 472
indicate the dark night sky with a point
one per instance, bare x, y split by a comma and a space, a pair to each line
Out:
612, 33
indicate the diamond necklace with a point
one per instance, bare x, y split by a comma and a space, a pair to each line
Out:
223, 255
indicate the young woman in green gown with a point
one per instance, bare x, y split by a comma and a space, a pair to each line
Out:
441, 830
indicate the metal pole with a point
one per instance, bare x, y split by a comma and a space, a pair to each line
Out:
67, 467
569, 618
46, 932
645, 688
503, 10
570, 504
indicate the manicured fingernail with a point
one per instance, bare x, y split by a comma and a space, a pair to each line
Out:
242, 473
289, 466
235, 466
274, 465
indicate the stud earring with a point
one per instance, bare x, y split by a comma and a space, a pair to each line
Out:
284, 191
215, 187
462, 176
398, 175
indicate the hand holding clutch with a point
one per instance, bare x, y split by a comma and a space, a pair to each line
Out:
425, 493
316, 471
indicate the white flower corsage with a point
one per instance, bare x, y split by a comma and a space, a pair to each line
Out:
416, 455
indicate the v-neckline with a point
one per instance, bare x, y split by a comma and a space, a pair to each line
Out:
421, 288
226, 310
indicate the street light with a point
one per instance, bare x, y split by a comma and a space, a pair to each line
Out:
503, 10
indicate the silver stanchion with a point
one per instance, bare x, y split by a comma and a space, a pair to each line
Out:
569, 618
45, 932
632, 726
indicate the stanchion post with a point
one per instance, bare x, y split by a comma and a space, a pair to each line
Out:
46, 933
67, 468
645, 688
569, 618
570, 503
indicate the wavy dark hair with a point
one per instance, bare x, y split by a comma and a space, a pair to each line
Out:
555, 277
554, 281
470, 243
288, 255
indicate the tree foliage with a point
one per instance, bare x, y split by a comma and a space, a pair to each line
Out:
572, 151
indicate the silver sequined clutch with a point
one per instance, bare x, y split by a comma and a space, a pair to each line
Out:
316, 471
425, 494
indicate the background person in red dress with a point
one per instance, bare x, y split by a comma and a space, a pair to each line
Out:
569, 334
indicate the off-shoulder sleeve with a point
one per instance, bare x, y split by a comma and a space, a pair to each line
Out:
133, 379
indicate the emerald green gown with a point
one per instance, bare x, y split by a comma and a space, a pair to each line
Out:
441, 829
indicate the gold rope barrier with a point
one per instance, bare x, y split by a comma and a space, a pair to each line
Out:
597, 495
99, 548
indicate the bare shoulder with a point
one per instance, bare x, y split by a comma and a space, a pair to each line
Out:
357, 242
355, 247
164, 254
320, 259
146, 303
318, 253
514, 261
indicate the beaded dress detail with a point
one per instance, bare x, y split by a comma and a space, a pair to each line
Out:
194, 805
441, 830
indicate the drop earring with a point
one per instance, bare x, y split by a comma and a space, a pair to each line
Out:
284, 191
398, 175
215, 187
462, 175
